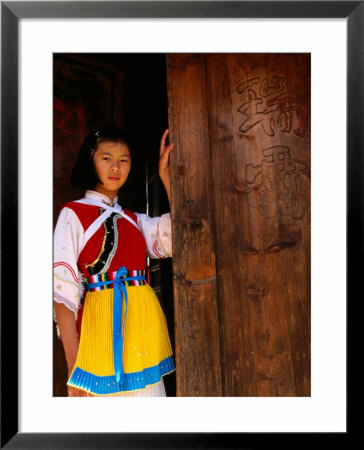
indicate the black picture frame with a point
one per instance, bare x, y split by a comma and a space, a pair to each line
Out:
11, 12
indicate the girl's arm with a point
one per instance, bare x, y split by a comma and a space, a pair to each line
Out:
68, 238
164, 166
68, 330
157, 230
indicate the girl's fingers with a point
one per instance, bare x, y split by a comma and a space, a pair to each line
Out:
164, 156
164, 137
168, 149
74, 392
163, 141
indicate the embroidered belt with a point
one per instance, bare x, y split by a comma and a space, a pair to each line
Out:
117, 280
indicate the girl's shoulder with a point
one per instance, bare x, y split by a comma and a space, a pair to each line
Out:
86, 214
78, 207
132, 215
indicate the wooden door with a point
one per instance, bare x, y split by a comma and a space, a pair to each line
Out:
241, 223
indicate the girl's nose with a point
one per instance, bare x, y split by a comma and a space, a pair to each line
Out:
115, 165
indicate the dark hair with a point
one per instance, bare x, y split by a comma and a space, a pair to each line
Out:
83, 173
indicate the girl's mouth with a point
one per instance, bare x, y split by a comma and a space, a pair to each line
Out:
114, 178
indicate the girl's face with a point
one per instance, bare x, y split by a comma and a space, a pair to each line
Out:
112, 164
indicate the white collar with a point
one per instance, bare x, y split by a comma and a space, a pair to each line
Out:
101, 197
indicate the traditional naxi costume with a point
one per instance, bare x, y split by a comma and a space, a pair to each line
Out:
124, 344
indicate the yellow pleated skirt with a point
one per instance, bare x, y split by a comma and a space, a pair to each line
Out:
147, 351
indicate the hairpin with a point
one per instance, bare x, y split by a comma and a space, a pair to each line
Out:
97, 133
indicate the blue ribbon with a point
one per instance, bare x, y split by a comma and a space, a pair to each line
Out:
120, 293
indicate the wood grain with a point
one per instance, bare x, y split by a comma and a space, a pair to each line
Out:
241, 199
260, 146
196, 309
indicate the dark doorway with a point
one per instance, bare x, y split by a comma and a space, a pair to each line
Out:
129, 90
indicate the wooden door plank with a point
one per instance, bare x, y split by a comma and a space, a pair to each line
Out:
260, 155
196, 309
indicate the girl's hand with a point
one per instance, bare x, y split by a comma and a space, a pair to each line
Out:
164, 151
164, 165
74, 392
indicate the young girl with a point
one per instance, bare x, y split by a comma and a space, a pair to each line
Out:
122, 347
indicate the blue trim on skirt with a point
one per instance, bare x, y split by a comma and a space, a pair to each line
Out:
132, 381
